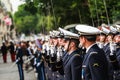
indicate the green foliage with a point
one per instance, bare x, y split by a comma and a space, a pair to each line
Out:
45, 15
24, 20
97, 8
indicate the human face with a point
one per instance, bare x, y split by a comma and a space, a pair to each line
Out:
66, 45
102, 38
55, 42
51, 41
23, 44
117, 39
61, 41
109, 38
82, 41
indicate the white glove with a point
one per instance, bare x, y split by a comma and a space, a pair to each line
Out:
112, 48
101, 45
35, 61
17, 60
38, 64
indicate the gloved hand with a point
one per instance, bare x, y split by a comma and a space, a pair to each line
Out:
17, 60
112, 48
101, 44
38, 64
35, 62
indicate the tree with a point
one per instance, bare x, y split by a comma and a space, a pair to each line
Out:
47, 15
25, 21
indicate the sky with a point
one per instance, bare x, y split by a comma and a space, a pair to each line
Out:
15, 4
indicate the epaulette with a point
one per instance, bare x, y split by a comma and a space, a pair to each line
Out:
93, 53
76, 55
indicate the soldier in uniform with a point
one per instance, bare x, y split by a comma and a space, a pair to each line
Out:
4, 52
115, 56
40, 65
12, 51
95, 65
20, 52
109, 52
39, 61
55, 57
72, 62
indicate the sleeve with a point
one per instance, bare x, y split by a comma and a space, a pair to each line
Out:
27, 52
76, 67
98, 68
114, 62
118, 57
19, 54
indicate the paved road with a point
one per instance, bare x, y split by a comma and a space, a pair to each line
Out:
7, 72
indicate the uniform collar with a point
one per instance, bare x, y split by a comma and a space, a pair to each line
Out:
89, 47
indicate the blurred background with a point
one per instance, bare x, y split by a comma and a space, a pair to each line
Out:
20, 18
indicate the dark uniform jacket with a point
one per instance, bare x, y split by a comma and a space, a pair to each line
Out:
118, 53
40, 67
20, 53
107, 51
11, 48
116, 63
73, 66
95, 66
4, 49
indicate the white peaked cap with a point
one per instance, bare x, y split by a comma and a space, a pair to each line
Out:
105, 30
43, 37
113, 30
87, 30
68, 33
47, 38
51, 33
56, 33
104, 25
118, 26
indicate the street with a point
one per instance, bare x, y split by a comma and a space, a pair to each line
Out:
9, 71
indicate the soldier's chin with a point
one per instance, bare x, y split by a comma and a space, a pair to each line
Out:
80, 45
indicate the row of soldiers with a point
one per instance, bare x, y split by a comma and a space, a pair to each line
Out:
92, 54
104, 66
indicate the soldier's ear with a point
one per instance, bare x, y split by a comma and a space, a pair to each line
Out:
84, 40
72, 43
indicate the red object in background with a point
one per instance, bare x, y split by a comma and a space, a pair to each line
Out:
5, 58
13, 57
8, 21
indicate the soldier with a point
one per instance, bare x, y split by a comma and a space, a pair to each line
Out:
109, 45
4, 52
101, 37
55, 57
20, 52
39, 61
40, 65
95, 65
12, 51
115, 56
30, 58
72, 61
